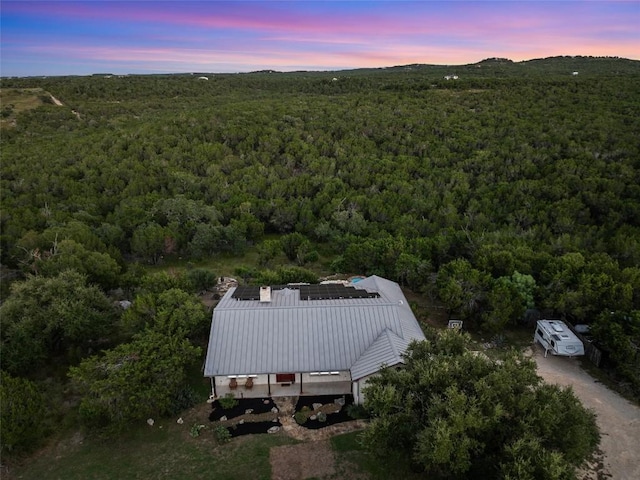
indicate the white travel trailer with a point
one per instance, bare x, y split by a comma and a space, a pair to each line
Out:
555, 337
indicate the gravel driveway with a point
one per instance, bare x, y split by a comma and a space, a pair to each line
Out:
618, 419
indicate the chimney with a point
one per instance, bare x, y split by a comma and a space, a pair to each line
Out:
265, 294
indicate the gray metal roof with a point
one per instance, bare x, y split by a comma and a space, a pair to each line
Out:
387, 350
293, 335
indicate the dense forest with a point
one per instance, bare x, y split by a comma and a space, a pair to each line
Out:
511, 189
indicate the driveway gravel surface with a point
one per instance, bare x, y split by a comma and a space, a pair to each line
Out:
618, 419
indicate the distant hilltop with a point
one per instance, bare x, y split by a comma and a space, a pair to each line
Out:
492, 67
496, 66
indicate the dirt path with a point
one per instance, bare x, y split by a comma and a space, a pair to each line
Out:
312, 459
56, 101
618, 419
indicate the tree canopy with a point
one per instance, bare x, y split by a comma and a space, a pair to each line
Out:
454, 413
59, 319
515, 187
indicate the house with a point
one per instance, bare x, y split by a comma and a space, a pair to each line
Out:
290, 340
557, 338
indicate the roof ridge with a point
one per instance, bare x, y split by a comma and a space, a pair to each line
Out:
310, 305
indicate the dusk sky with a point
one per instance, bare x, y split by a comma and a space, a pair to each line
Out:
83, 37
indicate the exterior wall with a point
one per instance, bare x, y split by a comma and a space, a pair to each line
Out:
357, 387
337, 384
343, 376
282, 389
258, 390
265, 385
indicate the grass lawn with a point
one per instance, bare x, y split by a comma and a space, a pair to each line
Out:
352, 461
17, 100
165, 450
226, 264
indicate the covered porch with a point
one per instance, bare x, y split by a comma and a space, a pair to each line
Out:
282, 385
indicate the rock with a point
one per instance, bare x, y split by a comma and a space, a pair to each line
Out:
316, 406
248, 411
273, 429
275, 419
313, 417
150, 421
340, 401
180, 421
266, 401
223, 418
274, 410
241, 422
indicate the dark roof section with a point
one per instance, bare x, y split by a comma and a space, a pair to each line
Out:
332, 291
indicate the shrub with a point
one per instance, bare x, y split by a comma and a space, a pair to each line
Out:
228, 401
357, 411
222, 434
322, 417
201, 279
301, 417
21, 408
197, 428
183, 399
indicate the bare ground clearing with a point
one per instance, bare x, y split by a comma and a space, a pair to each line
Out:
305, 460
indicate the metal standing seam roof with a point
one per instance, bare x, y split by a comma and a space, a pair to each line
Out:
387, 350
293, 335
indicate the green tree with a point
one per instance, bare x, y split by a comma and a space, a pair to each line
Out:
507, 301
148, 241
158, 282
99, 268
284, 275
211, 239
455, 414
461, 287
619, 334
267, 251
411, 270
133, 381
48, 320
171, 312
201, 279
525, 285
294, 245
